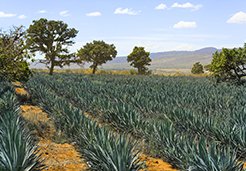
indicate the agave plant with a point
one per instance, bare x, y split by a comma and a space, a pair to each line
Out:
173, 147
109, 153
121, 116
213, 158
18, 151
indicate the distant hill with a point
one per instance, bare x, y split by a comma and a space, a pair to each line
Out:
169, 60
160, 60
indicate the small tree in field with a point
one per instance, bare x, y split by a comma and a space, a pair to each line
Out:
139, 59
13, 55
229, 65
97, 53
197, 68
51, 38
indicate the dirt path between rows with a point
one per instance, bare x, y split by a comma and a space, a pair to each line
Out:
57, 156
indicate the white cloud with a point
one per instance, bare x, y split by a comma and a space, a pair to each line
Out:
185, 25
64, 13
5, 15
22, 16
161, 7
127, 11
94, 14
187, 5
42, 11
238, 18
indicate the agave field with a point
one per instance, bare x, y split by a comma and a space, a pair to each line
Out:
189, 122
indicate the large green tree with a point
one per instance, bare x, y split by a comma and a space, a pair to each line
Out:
229, 64
139, 59
197, 68
13, 55
97, 53
51, 38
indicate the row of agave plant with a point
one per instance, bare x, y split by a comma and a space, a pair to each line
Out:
209, 148
18, 151
101, 149
194, 121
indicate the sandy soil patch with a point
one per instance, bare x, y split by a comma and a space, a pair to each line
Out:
154, 164
60, 157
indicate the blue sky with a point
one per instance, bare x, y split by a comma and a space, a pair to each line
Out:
158, 25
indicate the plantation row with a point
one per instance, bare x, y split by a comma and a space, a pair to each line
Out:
102, 150
18, 151
189, 122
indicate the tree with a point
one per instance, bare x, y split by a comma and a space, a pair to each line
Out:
139, 59
13, 55
51, 38
207, 67
97, 53
197, 68
229, 65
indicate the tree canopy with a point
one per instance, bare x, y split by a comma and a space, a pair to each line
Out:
197, 68
97, 53
139, 59
229, 65
51, 38
13, 55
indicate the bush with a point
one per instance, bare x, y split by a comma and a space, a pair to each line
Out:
197, 68
133, 72
13, 56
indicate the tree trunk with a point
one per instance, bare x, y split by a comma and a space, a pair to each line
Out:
139, 71
94, 69
51, 68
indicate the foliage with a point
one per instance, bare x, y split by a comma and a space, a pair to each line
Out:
139, 59
197, 68
13, 55
51, 38
229, 65
97, 53
207, 67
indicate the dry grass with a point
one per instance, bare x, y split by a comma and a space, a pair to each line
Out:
87, 71
21, 92
161, 72
17, 84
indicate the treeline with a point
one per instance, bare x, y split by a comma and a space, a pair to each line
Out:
228, 65
52, 39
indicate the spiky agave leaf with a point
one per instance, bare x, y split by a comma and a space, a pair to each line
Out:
17, 149
213, 158
124, 118
110, 153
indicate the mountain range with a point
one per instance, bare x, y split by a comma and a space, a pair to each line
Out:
161, 60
